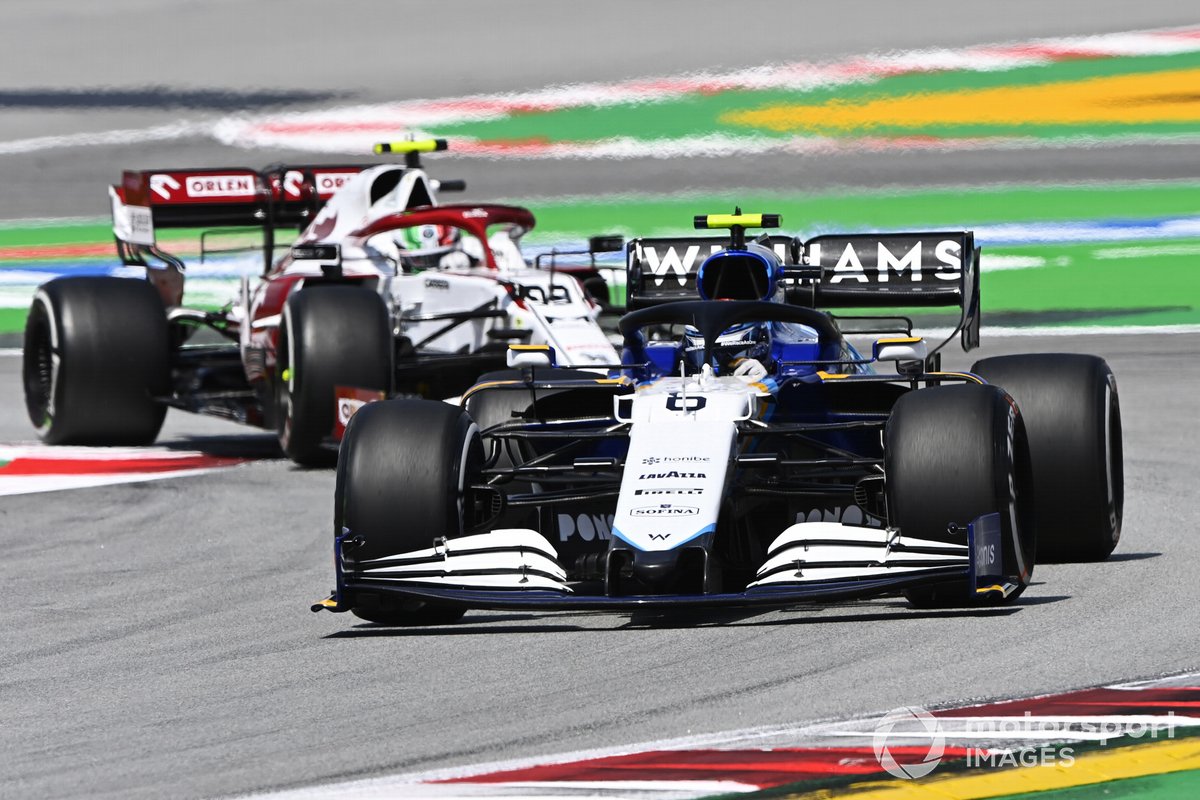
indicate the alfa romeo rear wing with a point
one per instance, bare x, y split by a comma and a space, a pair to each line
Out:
280, 196
146, 201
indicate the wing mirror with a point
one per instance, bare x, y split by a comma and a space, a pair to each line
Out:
908, 352
327, 256
606, 244
530, 355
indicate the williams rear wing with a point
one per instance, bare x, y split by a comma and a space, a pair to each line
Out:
894, 270
859, 271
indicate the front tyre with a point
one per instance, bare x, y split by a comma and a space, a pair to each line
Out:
404, 470
954, 453
1073, 418
329, 336
96, 360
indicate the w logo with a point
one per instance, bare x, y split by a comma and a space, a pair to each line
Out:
660, 537
670, 263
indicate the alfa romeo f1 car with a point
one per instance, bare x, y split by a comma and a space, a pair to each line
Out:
743, 453
384, 292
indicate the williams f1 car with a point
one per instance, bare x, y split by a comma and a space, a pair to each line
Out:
384, 292
743, 453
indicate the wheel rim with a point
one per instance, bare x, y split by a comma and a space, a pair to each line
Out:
464, 467
39, 369
285, 375
1113, 458
1021, 503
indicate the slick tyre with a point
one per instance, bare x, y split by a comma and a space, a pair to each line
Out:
329, 336
96, 357
954, 453
403, 471
1073, 419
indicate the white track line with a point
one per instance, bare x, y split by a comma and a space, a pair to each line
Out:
11, 485
400, 785
1005, 730
319, 130
355, 128
159, 133
1187, 679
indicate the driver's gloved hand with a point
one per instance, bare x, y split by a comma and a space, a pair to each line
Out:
751, 370
455, 259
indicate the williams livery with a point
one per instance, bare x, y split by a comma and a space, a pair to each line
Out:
743, 452
385, 291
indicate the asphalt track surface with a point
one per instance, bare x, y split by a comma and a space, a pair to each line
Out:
155, 638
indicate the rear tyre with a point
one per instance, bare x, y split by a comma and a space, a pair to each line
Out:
1073, 419
954, 453
96, 357
330, 336
403, 471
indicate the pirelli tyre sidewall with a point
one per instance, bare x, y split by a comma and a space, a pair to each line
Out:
329, 336
404, 468
1073, 418
96, 357
954, 453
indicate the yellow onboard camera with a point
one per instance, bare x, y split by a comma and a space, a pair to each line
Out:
411, 146
737, 222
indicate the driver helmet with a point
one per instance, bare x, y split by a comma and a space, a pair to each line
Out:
742, 341
424, 246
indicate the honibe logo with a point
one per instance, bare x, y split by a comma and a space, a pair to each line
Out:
909, 742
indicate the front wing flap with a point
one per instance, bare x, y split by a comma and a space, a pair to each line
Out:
517, 569
550, 600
